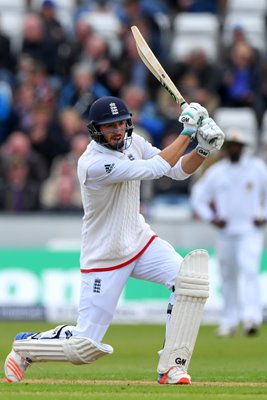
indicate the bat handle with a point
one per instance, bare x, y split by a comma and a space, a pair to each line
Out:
183, 105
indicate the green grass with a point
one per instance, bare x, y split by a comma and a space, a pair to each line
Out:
232, 368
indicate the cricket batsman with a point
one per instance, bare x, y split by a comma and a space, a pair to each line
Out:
117, 243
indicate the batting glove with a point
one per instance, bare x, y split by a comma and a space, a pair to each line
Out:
209, 136
191, 117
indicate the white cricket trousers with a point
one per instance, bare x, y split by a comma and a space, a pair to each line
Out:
239, 259
100, 291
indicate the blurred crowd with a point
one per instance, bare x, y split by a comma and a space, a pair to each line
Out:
49, 81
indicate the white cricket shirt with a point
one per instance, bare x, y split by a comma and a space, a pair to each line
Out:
237, 191
114, 232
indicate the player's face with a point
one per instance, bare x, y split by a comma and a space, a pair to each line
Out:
114, 133
234, 151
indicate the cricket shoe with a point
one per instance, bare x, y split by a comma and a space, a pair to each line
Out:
15, 364
174, 377
251, 329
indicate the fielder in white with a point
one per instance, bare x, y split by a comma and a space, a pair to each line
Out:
117, 243
236, 187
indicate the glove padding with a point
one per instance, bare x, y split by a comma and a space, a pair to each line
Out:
209, 136
191, 117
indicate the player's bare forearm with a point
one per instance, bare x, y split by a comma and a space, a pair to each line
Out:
175, 150
191, 162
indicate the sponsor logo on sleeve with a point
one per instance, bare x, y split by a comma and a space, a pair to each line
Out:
109, 167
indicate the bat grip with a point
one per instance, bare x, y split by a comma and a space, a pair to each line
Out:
184, 105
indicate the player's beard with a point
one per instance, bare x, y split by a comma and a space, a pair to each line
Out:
234, 158
119, 145
116, 145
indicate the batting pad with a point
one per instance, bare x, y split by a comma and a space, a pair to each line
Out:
77, 350
192, 291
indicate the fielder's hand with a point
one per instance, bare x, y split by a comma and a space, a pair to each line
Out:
209, 136
192, 117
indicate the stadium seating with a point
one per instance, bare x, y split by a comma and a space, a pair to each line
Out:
182, 45
12, 6
253, 25
11, 23
67, 5
241, 118
195, 31
202, 24
258, 7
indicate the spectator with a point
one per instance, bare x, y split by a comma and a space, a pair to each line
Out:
82, 8
64, 197
34, 88
18, 148
82, 89
18, 192
147, 16
43, 133
232, 195
61, 191
33, 42
56, 38
70, 125
25, 69
6, 99
145, 114
77, 41
62, 177
198, 79
96, 54
24, 106
213, 6
52, 26
131, 65
241, 79
40, 46
45, 91
7, 58
114, 80
239, 36
104, 22
78, 144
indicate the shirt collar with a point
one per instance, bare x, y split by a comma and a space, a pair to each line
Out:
106, 150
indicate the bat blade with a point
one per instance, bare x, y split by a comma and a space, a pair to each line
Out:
152, 63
